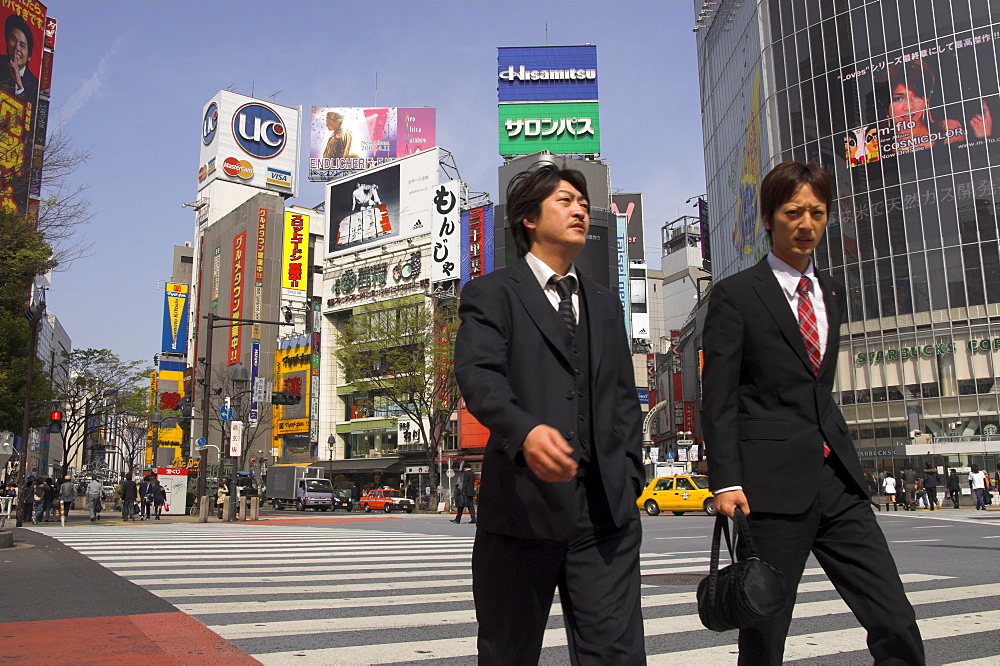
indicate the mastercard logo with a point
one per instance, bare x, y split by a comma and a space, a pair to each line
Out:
202, 173
235, 167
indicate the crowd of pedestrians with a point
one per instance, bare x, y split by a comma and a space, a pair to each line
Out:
43, 499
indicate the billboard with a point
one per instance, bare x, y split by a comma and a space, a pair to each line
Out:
925, 98
546, 73
175, 318
445, 233
354, 138
477, 242
390, 202
248, 141
295, 255
560, 127
630, 205
20, 71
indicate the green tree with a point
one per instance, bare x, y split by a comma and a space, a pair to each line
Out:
24, 255
97, 386
403, 351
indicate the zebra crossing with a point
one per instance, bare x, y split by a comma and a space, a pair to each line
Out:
348, 596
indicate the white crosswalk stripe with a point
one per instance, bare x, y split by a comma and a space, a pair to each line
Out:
352, 596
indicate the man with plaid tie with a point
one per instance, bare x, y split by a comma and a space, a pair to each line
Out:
777, 445
543, 361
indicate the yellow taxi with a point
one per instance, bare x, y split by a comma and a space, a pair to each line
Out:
678, 494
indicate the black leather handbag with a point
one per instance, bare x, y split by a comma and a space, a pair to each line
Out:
743, 593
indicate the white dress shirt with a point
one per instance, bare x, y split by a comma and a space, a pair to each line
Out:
788, 278
543, 273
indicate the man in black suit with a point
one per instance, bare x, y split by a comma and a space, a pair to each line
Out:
543, 362
15, 77
777, 443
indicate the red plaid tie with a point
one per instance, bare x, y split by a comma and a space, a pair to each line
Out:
807, 324
810, 332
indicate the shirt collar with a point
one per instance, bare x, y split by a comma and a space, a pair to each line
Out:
542, 272
788, 277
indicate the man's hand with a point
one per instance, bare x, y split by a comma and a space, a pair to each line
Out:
547, 454
726, 503
15, 75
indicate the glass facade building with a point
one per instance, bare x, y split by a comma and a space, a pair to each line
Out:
899, 100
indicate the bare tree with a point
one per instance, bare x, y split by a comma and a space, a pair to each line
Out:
97, 385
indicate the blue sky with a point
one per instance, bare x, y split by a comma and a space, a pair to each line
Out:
130, 80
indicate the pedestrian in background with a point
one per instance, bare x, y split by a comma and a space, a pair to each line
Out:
41, 491
94, 499
158, 497
67, 493
910, 487
129, 493
28, 492
954, 488
931, 482
977, 482
889, 488
145, 498
465, 494
51, 497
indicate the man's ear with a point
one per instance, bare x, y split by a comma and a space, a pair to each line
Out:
529, 223
766, 223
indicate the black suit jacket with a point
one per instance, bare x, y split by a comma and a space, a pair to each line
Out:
765, 415
512, 362
29, 80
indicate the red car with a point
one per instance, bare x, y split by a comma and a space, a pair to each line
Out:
387, 500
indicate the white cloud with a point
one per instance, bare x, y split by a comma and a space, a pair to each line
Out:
91, 86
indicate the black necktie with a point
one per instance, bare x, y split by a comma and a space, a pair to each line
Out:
564, 286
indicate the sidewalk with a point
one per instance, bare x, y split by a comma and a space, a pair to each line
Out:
61, 605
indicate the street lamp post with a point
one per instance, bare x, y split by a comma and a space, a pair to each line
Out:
239, 380
34, 315
155, 419
215, 321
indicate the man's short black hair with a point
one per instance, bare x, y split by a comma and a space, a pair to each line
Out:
784, 180
14, 21
526, 192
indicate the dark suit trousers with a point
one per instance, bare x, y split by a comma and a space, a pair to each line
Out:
842, 532
597, 573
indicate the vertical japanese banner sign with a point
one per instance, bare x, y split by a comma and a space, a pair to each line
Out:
258, 274
235, 438
175, 318
314, 375
623, 285
236, 296
254, 413
295, 257
446, 242
216, 276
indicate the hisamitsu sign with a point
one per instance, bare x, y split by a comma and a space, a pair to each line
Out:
547, 73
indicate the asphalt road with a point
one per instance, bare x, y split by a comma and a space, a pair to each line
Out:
370, 588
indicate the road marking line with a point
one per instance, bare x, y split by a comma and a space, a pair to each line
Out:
915, 540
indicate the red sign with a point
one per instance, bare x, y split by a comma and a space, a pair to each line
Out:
258, 274
689, 415
236, 296
171, 471
475, 242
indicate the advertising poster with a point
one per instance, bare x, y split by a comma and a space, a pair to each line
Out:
250, 142
353, 138
20, 71
561, 127
546, 73
445, 240
258, 274
295, 255
386, 203
926, 98
175, 318
623, 278
174, 482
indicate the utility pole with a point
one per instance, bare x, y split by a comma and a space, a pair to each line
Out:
215, 321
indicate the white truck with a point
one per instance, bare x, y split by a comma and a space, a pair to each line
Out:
299, 486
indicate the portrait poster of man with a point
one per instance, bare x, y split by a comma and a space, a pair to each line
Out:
20, 65
364, 209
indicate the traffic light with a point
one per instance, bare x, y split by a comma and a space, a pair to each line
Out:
55, 422
285, 398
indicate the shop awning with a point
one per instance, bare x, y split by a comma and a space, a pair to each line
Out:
361, 465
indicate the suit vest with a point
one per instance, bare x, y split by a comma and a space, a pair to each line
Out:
579, 355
